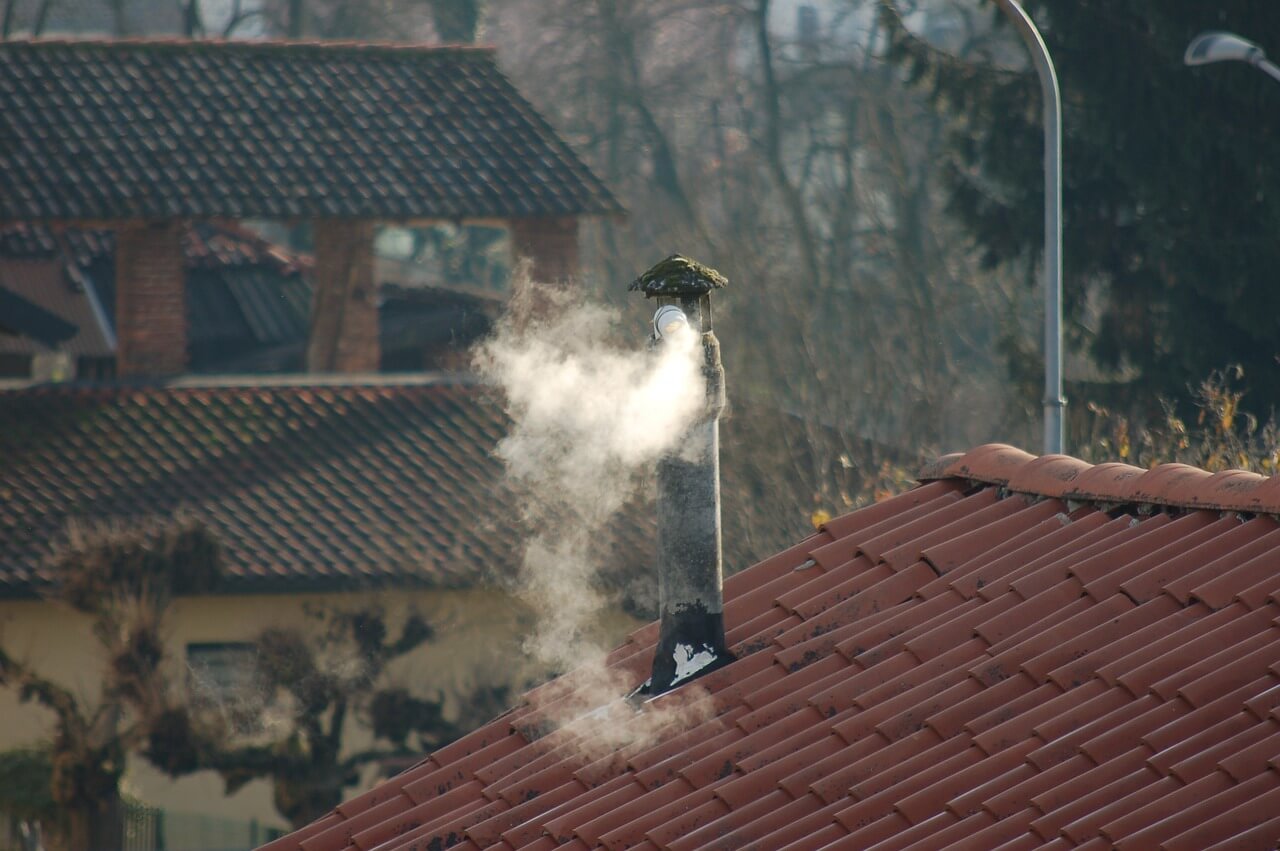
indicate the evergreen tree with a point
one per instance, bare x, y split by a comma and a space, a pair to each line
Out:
1171, 184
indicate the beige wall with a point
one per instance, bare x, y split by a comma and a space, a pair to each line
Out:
478, 642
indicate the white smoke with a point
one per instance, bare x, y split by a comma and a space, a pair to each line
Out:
590, 418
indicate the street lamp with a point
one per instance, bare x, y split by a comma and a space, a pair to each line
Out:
1054, 401
1216, 46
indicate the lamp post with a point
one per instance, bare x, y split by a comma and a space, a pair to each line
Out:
1054, 401
1217, 46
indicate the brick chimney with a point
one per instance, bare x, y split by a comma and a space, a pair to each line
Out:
550, 243
344, 310
690, 562
151, 311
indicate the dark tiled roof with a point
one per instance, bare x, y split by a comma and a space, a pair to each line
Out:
135, 129
1019, 653
306, 485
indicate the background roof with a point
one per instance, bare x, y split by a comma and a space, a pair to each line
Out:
1023, 653
162, 128
306, 485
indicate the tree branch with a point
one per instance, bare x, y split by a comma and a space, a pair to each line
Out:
791, 196
42, 18
6, 23
361, 758
32, 686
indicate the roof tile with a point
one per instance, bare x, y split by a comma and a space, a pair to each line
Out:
523, 823
740, 825
992, 540
1246, 826
985, 568
953, 670
1090, 824
801, 825
1240, 747
276, 130
280, 472
993, 835
1196, 641
934, 832
983, 796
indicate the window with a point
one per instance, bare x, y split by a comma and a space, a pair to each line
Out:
221, 679
221, 672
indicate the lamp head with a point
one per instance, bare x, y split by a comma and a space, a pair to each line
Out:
1216, 46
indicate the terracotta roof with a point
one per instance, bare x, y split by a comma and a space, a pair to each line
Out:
131, 129
1021, 652
306, 485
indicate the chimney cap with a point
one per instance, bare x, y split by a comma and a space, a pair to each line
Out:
679, 276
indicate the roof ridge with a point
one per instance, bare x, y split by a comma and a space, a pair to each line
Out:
1064, 477
264, 44
300, 381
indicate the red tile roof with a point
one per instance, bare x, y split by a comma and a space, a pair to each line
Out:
1021, 652
131, 129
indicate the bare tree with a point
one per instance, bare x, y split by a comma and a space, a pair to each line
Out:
13, 20
310, 687
456, 21
124, 580
860, 321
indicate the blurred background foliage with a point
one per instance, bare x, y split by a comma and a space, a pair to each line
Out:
868, 173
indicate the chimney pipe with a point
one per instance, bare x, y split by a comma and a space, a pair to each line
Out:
690, 569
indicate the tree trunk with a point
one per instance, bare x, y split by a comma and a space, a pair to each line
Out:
456, 21
88, 827
6, 23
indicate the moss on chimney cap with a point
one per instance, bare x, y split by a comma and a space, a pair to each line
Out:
679, 276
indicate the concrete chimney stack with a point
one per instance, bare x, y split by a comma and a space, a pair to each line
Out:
690, 568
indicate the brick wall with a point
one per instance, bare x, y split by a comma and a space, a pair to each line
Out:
550, 243
344, 313
151, 313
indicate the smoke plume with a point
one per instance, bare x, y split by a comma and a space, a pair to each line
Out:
590, 418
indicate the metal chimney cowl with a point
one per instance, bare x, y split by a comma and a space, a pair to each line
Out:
690, 563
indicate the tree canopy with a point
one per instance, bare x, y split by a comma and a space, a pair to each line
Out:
1171, 191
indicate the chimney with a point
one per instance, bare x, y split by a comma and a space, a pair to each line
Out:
344, 311
151, 310
550, 243
690, 570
